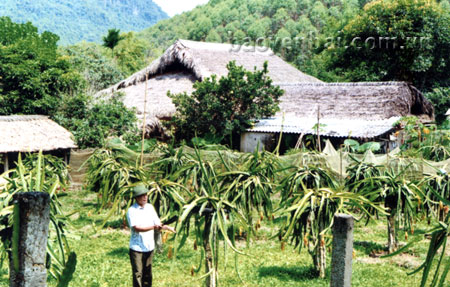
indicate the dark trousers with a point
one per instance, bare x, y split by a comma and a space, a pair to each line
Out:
141, 265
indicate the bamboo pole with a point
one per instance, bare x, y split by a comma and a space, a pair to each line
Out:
318, 128
144, 120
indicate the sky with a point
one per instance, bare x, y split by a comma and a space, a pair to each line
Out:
172, 7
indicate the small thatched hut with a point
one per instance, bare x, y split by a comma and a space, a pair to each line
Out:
32, 134
364, 111
185, 62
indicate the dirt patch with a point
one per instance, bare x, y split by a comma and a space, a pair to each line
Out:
369, 260
404, 260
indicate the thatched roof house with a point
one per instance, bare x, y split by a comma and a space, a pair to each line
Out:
32, 134
363, 111
185, 62
361, 101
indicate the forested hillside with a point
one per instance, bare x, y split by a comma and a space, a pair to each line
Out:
88, 20
307, 24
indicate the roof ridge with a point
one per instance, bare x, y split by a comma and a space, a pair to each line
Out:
387, 83
22, 118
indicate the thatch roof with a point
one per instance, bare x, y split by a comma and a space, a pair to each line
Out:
358, 110
185, 62
31, 134
363, 101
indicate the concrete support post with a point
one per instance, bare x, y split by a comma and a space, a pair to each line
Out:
34, 210
341, 261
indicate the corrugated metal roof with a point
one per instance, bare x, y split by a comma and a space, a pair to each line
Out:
328, 127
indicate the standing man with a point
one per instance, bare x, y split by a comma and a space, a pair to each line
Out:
143, 220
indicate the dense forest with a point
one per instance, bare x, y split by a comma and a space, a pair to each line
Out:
87, 20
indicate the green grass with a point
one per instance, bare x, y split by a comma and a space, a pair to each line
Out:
103, 257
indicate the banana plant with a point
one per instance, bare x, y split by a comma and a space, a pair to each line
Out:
45, 174
310, 197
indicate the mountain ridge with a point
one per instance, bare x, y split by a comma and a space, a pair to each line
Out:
87, 20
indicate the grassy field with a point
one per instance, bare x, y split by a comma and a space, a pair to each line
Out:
103, 257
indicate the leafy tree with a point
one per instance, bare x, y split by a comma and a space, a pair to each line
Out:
98, 70
226, 106
112, 39
33, 76
91, 123
213, 36
440, 98
260, 28
200, 28
280, 17
133, 54
319, 14
405, 40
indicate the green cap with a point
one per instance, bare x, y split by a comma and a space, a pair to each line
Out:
139, 189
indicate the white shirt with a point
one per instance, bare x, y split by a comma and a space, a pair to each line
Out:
142, 216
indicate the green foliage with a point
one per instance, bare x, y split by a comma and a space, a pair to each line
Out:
400, 196
45, 174
112, 39
98, 71
215, 216
425, 142
438, 241
250, 186
437, 190
75, 21
111, 172
354, 146
92, 123
33, 76
310, 197
440, 98
404, 40
226, 106
133, 54
439, 235
362, 175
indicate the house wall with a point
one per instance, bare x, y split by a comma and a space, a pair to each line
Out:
250, 141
